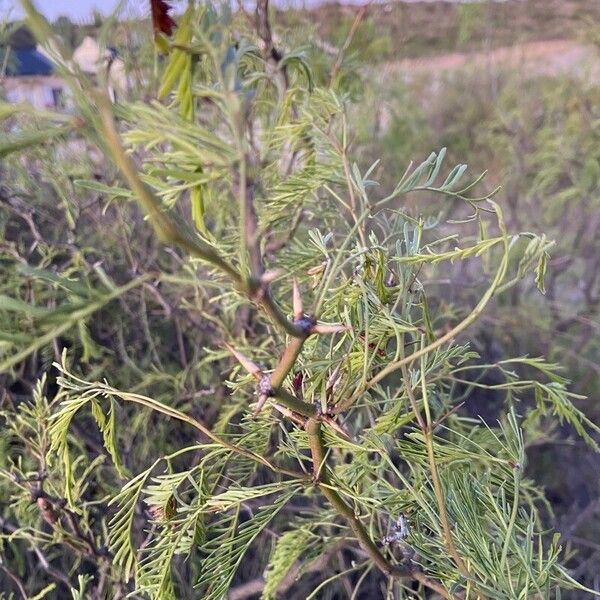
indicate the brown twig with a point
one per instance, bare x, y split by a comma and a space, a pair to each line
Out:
19, 585
321, 477
43, 560
170, 229
360, 15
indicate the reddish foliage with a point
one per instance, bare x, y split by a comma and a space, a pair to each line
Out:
161, 19
297, 382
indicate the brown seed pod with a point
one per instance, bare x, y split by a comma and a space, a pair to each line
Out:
47, 511
163, 513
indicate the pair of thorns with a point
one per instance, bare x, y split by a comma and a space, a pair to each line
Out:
267, 389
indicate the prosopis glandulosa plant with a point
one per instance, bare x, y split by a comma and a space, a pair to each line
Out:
330, 453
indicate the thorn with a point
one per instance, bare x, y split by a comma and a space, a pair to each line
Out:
264, 391
448, 414
290, 414
270, 276
335, 425
250, 366
318, 269
334, 378
329, 328
297, 301
262, 400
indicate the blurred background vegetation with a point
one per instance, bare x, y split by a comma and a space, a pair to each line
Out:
512, 87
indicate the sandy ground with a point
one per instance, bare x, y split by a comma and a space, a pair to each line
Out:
552, 57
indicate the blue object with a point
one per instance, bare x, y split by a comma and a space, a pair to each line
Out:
28, 61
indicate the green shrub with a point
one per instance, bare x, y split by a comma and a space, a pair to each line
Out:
290, 422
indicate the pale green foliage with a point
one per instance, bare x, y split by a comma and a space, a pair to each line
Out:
48, 324
290, 546
230, 540
121, 524
79, 594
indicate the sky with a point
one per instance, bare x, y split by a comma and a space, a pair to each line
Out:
75, 9
81, 10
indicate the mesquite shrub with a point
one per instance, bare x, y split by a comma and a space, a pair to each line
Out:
322, 451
